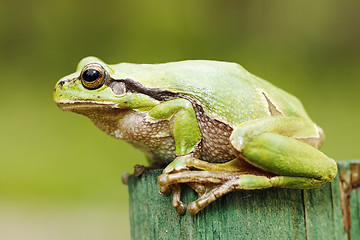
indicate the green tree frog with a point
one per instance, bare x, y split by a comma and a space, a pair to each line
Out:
214, 125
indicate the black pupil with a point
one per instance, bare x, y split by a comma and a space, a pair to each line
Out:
91, 75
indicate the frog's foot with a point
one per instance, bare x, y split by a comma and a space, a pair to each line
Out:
203, 180
181, 167
250, 182
178, 165
217, 184
180, 206
194, 179
139, 169
214, 185
237, 183
185, 163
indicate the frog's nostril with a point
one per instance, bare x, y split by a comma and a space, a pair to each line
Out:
61, 83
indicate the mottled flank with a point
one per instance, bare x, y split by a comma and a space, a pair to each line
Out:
215, 145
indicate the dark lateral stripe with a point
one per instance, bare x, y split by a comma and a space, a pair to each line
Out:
156, 93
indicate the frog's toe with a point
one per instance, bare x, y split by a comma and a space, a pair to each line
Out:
139, 169
179, 206
211, 195
193, 208
164, 185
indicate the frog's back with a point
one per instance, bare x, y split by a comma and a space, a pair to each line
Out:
226, 90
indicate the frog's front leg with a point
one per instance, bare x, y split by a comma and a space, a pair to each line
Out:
186, 134
185, 126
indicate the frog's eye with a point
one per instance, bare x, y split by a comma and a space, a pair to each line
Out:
93, 76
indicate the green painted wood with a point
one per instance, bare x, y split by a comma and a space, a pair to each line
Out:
354, 199
261, 214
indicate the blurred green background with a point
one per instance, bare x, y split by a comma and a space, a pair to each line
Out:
60, 177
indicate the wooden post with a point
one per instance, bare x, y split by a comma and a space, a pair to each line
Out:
327, 212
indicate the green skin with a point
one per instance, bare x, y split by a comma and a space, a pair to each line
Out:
240, 131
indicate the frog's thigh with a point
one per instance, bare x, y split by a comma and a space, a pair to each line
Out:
298, 164
185, 126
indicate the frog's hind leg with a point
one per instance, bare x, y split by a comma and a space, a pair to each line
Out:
248, 182
271, 145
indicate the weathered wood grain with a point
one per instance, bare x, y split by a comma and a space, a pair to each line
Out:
327, 212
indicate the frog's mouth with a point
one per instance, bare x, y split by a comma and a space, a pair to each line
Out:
87, 107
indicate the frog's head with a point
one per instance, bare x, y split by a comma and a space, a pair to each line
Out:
93, 87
